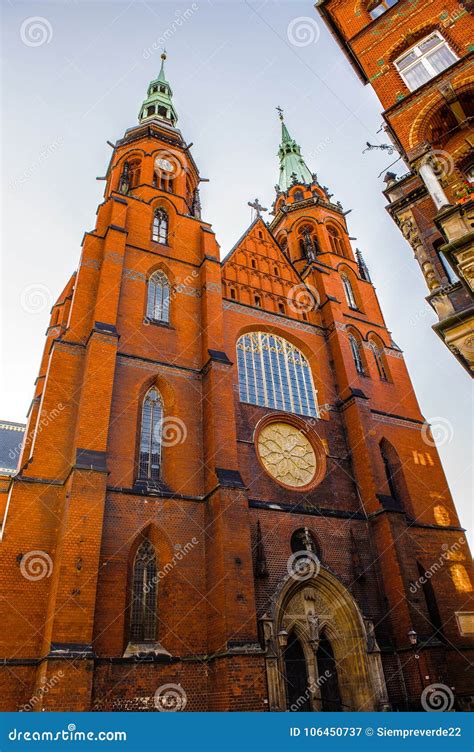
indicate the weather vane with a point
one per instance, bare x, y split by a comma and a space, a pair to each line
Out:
385, 147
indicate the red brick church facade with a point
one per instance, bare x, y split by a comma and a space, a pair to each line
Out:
227, 496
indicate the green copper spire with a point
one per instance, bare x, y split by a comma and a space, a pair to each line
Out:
158, 104
293, 168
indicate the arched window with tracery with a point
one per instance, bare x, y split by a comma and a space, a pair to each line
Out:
335, 240
349, 292
356, 354
274, 373
150, 436
379, 357
134, 170
158, 297
144, 592
160, 227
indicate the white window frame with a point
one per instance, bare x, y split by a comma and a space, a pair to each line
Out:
421, 58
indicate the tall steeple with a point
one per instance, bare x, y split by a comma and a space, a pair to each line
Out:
293, 168
159, 104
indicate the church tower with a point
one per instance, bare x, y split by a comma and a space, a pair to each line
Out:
227, 497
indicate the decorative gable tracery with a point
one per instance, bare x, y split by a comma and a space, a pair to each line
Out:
258, 274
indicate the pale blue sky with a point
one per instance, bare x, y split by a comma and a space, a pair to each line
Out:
230, 63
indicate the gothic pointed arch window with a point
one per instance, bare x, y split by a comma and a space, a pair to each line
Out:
134, 170
283, 243
144, 594
356, 354
379, 357
394, 474
349, 292
336, 242
150, 436
274, 373
160, 227
430, 600
158, 298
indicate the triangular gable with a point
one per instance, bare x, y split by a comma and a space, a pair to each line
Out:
257, 273
262, 249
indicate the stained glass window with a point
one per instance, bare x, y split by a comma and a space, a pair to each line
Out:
158, 299
144, 591
150, 436
274, 373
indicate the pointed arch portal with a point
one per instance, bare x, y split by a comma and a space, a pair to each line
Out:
321, 654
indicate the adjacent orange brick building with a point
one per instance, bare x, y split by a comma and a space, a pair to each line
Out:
417, 55
227, 497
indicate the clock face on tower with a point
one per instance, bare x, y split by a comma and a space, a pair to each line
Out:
163, 164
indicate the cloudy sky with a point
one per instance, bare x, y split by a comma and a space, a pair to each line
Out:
75, 74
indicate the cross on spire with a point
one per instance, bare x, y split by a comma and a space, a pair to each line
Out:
280, 112
257, 207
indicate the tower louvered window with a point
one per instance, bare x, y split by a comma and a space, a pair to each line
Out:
144, 591
150, 436
160, 227
158, 297
274, 373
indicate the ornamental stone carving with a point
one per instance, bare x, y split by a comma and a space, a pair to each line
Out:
287, 454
